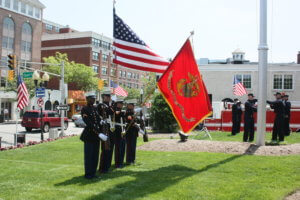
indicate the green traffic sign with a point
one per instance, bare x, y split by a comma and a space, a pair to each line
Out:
27, 74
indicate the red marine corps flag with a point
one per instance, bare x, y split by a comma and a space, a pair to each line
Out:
184, 90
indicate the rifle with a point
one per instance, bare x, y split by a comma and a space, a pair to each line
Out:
105, 127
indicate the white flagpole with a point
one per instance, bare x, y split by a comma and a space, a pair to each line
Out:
262, 75
16, 135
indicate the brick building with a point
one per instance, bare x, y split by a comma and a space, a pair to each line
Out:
20, 33
93, 50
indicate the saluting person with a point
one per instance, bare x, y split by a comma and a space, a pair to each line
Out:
105, 109
131, 133
278, 126
90, 137
287, 114
250, 109
236, 117
119, 138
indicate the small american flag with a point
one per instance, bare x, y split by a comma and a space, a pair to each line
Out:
132, 52
118, 90
23, 96
238, 87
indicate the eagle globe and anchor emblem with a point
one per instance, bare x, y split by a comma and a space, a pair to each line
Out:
188, 87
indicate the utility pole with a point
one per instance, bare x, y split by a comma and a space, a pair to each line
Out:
262, 75
62, 100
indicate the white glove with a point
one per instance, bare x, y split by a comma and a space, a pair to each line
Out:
102, 122
102, 137
142, 132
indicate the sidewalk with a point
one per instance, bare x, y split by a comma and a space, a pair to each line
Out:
11, 122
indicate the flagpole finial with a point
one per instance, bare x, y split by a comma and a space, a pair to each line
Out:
114, 3
192, 32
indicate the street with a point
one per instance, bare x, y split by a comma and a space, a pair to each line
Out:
7, 132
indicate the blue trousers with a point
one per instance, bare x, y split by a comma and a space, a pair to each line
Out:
91, 157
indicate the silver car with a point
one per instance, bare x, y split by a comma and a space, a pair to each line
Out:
79, 122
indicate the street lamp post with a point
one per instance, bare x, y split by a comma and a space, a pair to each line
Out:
141, 95
43, 83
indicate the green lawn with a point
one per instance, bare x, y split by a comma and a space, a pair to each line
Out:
55, 171
226, 136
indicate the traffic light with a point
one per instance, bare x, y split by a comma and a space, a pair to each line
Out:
11, 74
12, 61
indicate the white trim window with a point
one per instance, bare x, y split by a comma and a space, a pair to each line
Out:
95, 68
104, 71
16, 5
283, 82
23, 7
245, 79
7, 3
95, 55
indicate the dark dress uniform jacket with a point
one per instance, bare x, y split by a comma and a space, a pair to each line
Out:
132, 132
92, 120
278, 129
119, 139
106, 110
91, 140
249, 120
236, 118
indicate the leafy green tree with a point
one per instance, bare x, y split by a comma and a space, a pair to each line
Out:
12, 86
161, 116
133, 93
149, 84
84, 76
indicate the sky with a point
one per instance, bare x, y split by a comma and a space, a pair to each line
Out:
220, 26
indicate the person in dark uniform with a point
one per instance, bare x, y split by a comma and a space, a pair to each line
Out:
287, 114
90, 137
278, 126
106, 111
119, 139
250, 108
131, 133
236, 117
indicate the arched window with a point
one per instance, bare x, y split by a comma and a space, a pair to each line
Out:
26, 43
48, 105
8, 36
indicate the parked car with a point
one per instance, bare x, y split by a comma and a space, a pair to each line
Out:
75, 116
79, 122
32, 120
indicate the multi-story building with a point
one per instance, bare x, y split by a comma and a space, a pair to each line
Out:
92, 49
20, 33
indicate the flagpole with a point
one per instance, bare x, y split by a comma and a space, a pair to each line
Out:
262, 75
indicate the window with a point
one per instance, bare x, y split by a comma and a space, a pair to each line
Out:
106, 45
30, 10
104, 71
95, 56
283, 81
128, 74
120, 73
95, 68
104, 58
16, 5
26, 42
0, 2
37, 12
7, 3
23, 7
8, 33
49, 27
96, 42
113, 72
56, 29
137, 76
245, 79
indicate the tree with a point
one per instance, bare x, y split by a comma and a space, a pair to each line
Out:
84, 76
133, 93
161, 116
149, 84
12, 86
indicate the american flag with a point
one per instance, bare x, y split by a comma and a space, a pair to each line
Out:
238, 87
132, 52
118, 90
23, 96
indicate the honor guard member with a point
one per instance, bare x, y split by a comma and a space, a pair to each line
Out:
131, 132
106, 111
90, 137
278, 126
287, 114
119, 131
236, 117
250, 108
